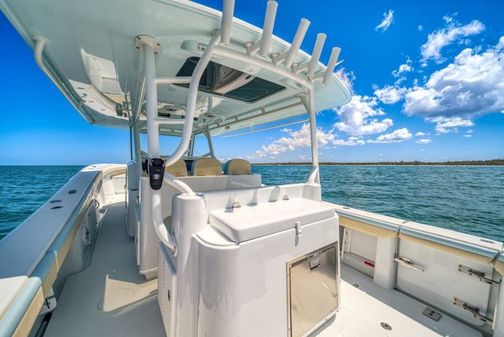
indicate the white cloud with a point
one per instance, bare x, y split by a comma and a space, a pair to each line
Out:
403, 68
351, 141
449, 19
294, 140
420, 134
500, 45
300, 139
423, 141
420, 28
347, 78
471, 86
467, 135
388, 18
445, 36
396, 136
356, 117
390, 94
450, 124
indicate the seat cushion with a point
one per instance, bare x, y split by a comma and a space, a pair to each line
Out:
237, 167
178, 169
206, 167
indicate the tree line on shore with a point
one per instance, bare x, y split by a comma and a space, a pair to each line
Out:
491, 162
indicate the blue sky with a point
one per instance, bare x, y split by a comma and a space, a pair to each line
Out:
427, 79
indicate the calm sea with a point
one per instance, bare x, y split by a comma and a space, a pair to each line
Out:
469, 199
23, 189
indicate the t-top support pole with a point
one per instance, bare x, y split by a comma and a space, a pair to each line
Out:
309, 103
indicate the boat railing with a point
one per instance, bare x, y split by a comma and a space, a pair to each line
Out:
38, 51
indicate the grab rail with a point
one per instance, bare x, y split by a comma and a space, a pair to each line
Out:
38, 51
191, 100
153, 123
178, 184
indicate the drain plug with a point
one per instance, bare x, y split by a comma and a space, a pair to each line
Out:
386, 326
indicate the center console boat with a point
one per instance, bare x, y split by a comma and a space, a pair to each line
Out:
179, 245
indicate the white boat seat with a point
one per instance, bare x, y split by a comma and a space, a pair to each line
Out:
206, 167
254, 221
237, 167
178, 169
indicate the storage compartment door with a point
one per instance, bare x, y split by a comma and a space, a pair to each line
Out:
445, 280
313, 285
359, 251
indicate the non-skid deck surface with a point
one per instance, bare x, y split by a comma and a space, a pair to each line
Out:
365, 307
109, 298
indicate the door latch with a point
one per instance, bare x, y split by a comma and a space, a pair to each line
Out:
408, 263
297, 228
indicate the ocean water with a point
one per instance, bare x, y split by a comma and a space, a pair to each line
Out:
23, 189
469, 199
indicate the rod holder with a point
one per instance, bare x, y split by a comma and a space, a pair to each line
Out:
296, 43
288, 56
227, 21
263, 44
317, 50
269, 23
333, 60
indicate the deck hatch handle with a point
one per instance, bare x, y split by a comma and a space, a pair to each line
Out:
408, 263
474, 310
476, 274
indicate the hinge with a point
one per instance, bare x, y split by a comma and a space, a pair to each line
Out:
49, 305
475, 311
408, 263
347, 240
297, 227
476, 274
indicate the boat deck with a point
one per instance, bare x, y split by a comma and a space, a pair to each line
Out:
110, 298
365, 306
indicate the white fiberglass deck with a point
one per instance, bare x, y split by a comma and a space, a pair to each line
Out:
112, 282
365, 307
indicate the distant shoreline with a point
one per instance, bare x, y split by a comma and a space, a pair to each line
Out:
492, 162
